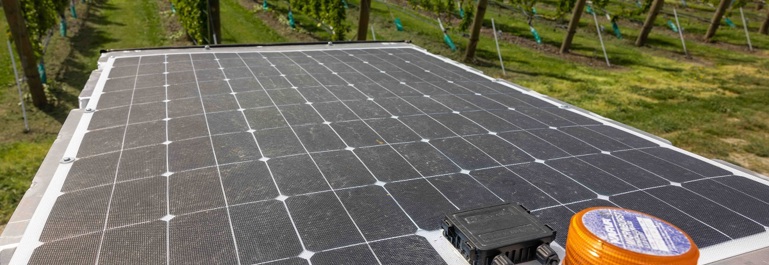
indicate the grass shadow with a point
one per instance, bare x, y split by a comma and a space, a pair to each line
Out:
87, 43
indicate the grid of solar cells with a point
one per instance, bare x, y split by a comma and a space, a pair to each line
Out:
342, 156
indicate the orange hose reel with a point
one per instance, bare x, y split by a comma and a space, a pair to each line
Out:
616, 236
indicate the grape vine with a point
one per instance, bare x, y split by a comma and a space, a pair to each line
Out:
564, 7
467, 20
736, 5
625, 12
441, 8
330, 12
193, 18
527, 7
40, 16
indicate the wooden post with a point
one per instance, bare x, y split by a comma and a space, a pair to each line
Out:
216, 23
765, 26
365, 7
480, 11
23, 43
573, 24
649, 23
716, 21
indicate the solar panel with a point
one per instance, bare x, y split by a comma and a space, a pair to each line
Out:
345, 154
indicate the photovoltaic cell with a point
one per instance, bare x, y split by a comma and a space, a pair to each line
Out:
393, 130
386, 164
73, 250
465, 191
343, 169
398, 251
735, 200
91, 171
77, 213
247, 182
345, 155
513, 188
702, 234
426, 159
322, 221
102, 141
194, 191
388, 222
421, 201
201, 238
359, 254
356, 133
138, 201
266, 222
109, 118
143, 243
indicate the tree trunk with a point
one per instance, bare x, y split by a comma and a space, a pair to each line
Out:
365, 6
215, 36
765, 26
26, 53
573, 24
480, 11
649, 23
716, 21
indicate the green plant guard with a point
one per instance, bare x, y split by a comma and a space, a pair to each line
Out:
72, 10
264, 5
616, 30
534, 11
672, 26
589, 10
398, 24
461, 13
449, 42
63, 28
173, 8
291, 20
730, 23
536, 35
345, 4
41, 70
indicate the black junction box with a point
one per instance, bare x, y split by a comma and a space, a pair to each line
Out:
508, 229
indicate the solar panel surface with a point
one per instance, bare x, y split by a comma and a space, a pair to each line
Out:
347, 155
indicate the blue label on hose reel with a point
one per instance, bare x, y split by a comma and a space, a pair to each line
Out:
636, 232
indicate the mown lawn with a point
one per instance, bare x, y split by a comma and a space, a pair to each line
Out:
251, 29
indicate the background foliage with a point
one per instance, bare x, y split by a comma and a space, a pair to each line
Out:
329, 12
41, 16
193, 18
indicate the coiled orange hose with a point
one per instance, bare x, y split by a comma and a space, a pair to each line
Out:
616, 236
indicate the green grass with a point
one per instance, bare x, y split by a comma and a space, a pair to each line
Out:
251, 29
19, 161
